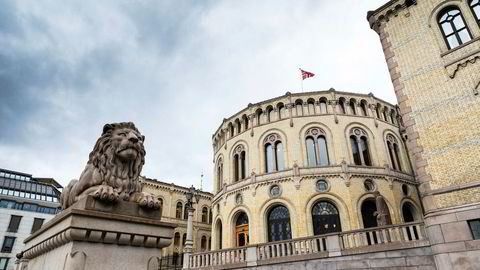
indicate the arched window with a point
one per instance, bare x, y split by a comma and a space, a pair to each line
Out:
210, 216
360, 150
385, 113
259, 116
205, 215
475, 6
179, 210
408, 212
273, 148
368, 213
279, 224
311, 106
245, 121
176, 239
203, 243
325, 218
184, 239
341, 102
363, 107
392, 116
352, 106
317, 153
377, 110
238, 126
219, 232
241, 230
270, 114
239, 168
454, 29
393, 152
232, 130
281, 111
299, 107
209, 243
185, 212
219, 174
323, 106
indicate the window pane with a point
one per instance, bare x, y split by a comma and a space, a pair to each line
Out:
323, 107
311, 153
452, 41
322, 147
476, 9
390, 154
365, 152
397, 155
269, 158
458, 22
280, 163
356, 153
447, 28
464, 36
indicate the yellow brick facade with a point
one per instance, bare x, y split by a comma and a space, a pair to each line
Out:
437, 90
298, 180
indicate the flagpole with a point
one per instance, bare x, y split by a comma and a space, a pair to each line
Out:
301, 78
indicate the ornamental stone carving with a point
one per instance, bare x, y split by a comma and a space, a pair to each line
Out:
272, 138
315, 131
382, 214
113, 170
239, 149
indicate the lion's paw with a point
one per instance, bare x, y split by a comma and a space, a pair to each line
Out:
106, 193
147, 200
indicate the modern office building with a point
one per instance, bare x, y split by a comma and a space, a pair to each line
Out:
26, 202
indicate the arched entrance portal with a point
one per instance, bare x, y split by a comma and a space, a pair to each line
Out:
408, 211
325, 218
218, 231
279, 224
368, 209
241, 230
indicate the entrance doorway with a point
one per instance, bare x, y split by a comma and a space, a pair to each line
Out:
241, 230
368, 209
325, 218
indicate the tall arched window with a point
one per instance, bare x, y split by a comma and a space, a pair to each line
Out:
311, 106
219, 174
317, 153
259, 116
270, 114
325, 218
205, 215
238, 126
185, 211
176, 239
363, 107
219, 233
273, 149
385, 114
377, 110
232, 130
281, 111
245, 121
203, 243
454, 29
323, 106
341, 102
184, 239
279, 224
239, 168
393, 152
352, 106
161, 205
299, 107
179, 210
475, 6
360, 149
392, 116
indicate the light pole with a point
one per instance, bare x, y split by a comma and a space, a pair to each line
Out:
192, 197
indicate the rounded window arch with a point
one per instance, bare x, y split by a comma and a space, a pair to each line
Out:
278, 219
341, 103
231, 129
203, 243
325, 218
239, 163
323, 106
316, 144
176, 239
160, 200
409, 212
179, 210
363, 107
311, 106
281, 111
394, 152
219, 234
259, 116
270, 114
299, 107
353, 104
475, 6
274, 158
245, 121
453, 27
360, 147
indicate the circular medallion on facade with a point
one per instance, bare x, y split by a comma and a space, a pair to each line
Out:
238, 199
369, 185
322, 185
272, 138
357, 132
275, 191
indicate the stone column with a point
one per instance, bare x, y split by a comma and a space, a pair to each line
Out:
187, 251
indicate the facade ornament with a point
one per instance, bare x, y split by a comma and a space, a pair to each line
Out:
113, 170
382, 214
296, 169
253, 176
345, 173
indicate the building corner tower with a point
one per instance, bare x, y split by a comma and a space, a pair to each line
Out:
432, 50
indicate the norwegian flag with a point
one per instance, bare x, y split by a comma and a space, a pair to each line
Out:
306, 74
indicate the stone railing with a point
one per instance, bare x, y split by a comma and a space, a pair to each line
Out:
383, 238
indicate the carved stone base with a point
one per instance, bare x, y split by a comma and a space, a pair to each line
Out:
94, 235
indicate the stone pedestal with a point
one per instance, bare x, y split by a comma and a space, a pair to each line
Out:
97, 236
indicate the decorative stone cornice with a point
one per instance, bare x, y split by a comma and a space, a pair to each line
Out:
383, 13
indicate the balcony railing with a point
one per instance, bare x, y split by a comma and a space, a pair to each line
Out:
383, 238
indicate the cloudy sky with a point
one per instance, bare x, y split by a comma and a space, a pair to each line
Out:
175, 68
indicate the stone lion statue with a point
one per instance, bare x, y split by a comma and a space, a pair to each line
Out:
113, 169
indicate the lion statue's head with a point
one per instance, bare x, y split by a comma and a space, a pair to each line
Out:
119, 156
